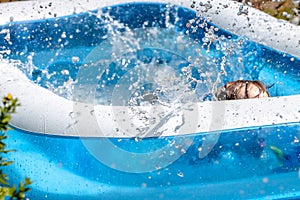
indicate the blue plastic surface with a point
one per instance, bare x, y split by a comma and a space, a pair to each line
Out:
240, 166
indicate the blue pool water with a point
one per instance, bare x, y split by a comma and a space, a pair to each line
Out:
63, 167
241, 165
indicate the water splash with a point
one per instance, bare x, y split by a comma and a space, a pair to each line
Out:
210, 56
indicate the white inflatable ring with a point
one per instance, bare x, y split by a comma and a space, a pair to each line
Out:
44, 112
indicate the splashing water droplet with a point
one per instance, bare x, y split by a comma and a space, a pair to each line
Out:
180, 174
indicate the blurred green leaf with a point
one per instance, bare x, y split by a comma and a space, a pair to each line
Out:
28, 181
8, 107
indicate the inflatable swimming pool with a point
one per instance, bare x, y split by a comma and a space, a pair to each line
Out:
117, 102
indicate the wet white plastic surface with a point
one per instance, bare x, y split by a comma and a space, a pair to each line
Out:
230, 15
45, 112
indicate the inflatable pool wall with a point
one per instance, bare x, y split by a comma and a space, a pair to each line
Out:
220, 150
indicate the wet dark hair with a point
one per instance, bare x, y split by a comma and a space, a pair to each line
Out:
242, 89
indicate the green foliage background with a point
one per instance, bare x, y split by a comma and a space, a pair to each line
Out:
7, 191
